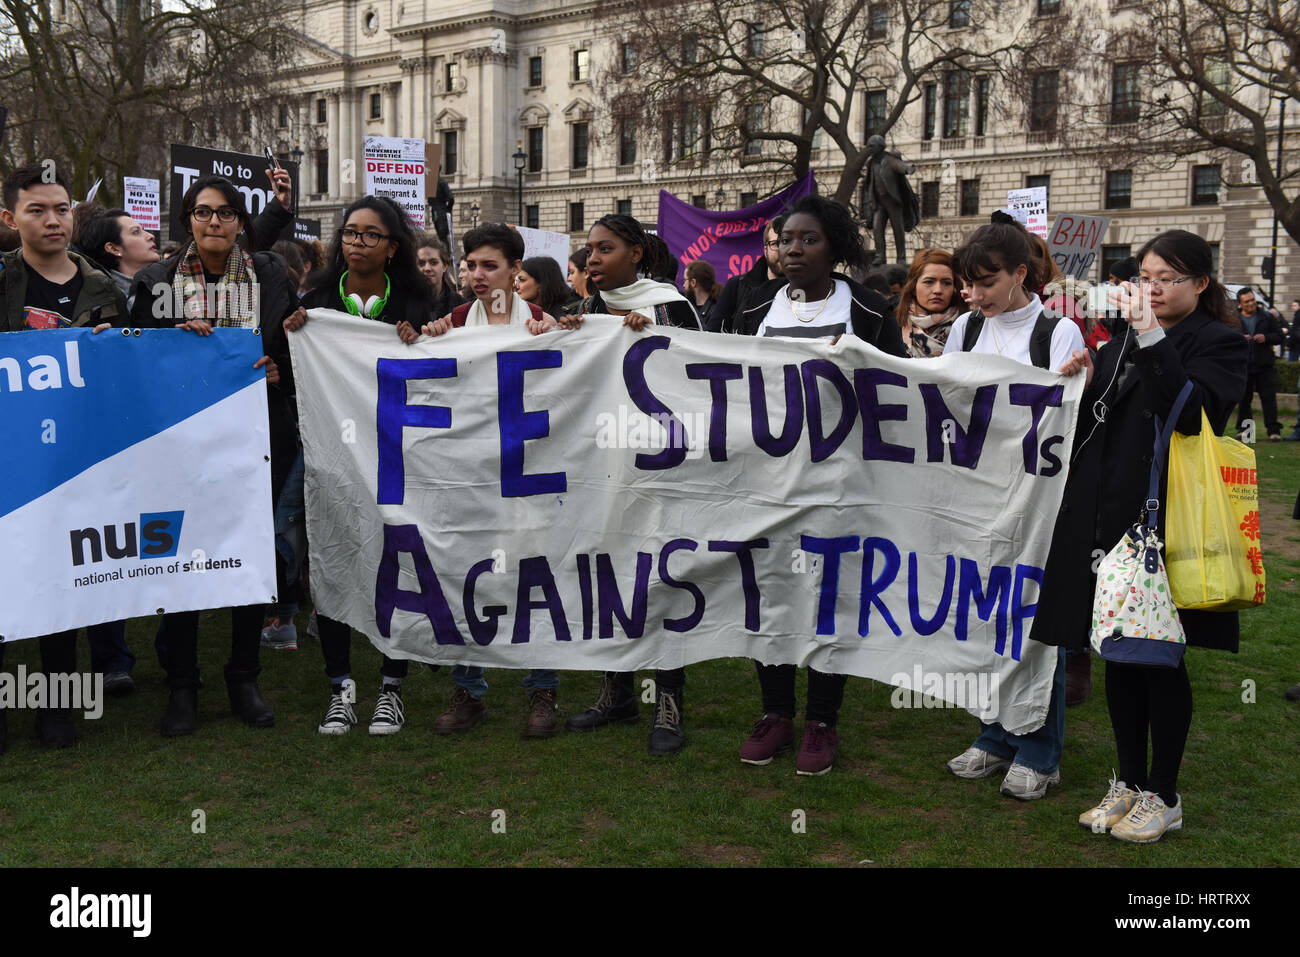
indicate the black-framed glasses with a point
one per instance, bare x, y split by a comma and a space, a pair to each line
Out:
366, 239
1146, 282
225, 214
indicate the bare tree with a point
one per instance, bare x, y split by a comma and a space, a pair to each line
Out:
770, 82
105, 86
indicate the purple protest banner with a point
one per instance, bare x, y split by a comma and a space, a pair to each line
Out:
731, 241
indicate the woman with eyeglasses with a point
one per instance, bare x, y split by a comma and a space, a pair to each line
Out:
212, 282
1180, 329
372, 272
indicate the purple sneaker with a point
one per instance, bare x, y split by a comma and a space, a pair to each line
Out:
771, 735
820, 747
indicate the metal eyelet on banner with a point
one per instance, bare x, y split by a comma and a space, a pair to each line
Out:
136, 333
257, 332
126, 332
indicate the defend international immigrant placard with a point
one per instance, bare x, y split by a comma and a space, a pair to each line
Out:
608, 500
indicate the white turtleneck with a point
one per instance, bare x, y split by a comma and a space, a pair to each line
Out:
1008, 334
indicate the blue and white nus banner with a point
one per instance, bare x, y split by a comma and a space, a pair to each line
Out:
603, 499
136, 476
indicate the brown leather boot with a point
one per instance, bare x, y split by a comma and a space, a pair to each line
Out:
542, 713
465, 712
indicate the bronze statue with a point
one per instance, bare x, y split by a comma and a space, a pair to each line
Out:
889, 196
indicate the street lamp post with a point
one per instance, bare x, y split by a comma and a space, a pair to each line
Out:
473, 214
297, 155
719, 196
520, 159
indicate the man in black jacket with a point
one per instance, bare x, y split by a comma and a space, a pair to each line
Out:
756, 286
1262, 333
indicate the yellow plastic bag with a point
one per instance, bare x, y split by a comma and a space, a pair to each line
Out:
1212, 540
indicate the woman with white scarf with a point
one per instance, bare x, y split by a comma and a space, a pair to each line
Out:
929, 304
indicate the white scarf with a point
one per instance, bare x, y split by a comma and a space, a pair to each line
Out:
642, 294
519, 313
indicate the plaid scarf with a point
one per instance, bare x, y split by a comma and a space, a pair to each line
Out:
232, 302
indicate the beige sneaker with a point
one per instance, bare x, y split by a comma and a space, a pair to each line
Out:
1114, 807
977, 763
1149, 820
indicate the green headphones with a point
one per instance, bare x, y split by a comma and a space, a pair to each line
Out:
370, 308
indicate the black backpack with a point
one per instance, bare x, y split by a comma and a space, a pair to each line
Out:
1040, 343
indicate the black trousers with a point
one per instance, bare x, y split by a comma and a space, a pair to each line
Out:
1154, 703
825, 692
1263, 381
58, 653
336, 646
181, 629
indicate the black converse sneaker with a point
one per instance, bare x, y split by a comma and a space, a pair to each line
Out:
339, 717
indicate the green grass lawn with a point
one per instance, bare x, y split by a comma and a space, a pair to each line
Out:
289, 796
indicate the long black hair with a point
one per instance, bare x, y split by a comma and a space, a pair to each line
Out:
234, 199
403, 270
552, 291
1191, 255
106, 227
438, 246
656, 261
837, 223
1001, 244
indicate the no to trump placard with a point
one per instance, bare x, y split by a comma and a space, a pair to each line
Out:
608, 500
136, 476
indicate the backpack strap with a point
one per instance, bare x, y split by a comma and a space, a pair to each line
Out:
1040, 342
974, 323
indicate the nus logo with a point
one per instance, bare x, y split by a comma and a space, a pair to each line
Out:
159, 535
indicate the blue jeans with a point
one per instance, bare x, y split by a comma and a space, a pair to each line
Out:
290, 520
470, 677
1039, 750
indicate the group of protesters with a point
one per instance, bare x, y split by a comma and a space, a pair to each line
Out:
1168, 323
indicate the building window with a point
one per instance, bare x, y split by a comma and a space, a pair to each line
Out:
874, 122
699, 201
754, 39
534, 71
929, 96
1214, 260
536, 137
1119, 189
970, 197
376, 106
877, 21
284, 117
580, 131
532, 216
322, 171
1205, 184
690, 50
748, 199
959, 13
1049, 8
1043, 101
1035, 182
577, 218
581, 65
1218, 77
451, 73
450, 152
981, 104
627, 56
623, 207
930, 199
320, 110
246, 121
1124, 104
627, 142
956, 103
1110, 255
754, 124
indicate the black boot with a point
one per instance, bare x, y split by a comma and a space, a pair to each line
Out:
182, 715
616, 704
668, 736
56, 728
246, 701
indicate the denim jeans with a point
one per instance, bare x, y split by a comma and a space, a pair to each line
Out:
290, 521
470, 677
1039, 750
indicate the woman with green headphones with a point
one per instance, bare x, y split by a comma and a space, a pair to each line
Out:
372, 273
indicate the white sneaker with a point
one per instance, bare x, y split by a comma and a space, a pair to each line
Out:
339, 717
1025, 784
1114, 807
388, 717
977, 763
1149, 820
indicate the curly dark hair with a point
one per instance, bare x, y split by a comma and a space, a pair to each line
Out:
403, 271
838, 225
499, 235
